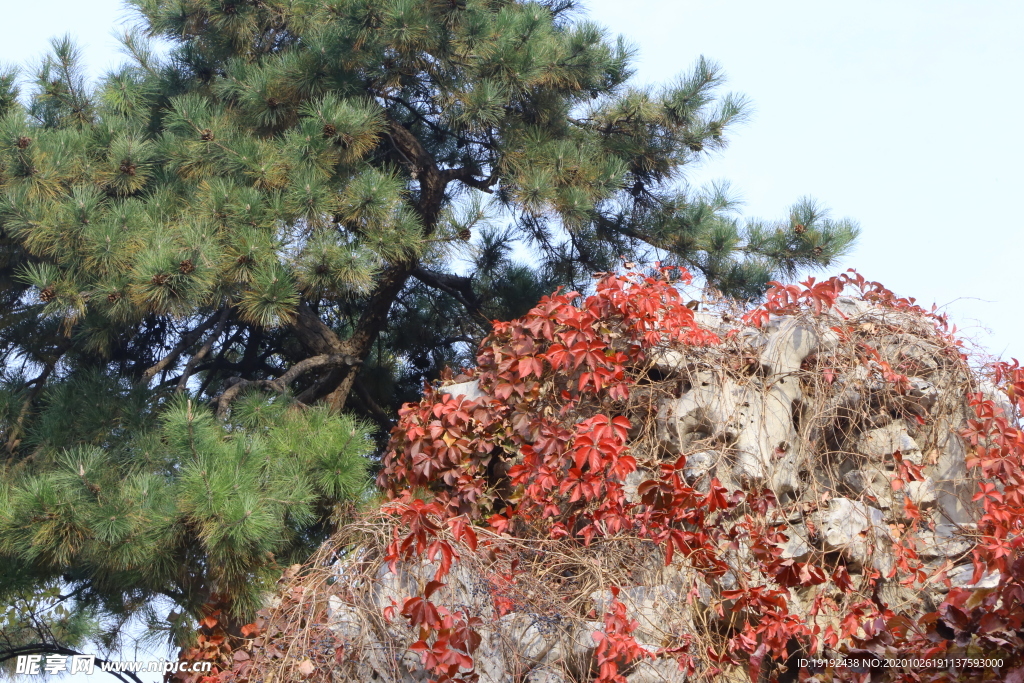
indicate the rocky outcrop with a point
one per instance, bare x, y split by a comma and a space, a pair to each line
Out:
851, 432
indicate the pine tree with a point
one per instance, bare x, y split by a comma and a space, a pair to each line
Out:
309, 206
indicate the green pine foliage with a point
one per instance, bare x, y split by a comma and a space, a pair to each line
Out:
172, 502
302, 208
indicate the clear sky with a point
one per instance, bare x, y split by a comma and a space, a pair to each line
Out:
901, 114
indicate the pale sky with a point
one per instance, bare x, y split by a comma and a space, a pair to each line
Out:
900, 114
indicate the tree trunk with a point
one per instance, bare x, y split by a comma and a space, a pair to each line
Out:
370, 325
316, 336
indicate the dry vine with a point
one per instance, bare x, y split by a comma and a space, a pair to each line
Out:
594, 509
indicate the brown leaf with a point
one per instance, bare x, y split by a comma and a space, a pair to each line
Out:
306, 667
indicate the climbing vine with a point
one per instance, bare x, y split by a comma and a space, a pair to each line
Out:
544, 453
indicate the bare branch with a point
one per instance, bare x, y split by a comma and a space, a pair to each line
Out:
467, 177
458, 286
15, 433
280, 384
186, 341
205, 349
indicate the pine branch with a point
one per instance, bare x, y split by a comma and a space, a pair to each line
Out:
186, 341
205, 349
236, 385
466, 177
14, 436
443, 132
458, 286
372, 408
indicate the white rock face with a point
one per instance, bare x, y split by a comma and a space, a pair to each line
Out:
857, 531
791, 408
880, 444
468, 390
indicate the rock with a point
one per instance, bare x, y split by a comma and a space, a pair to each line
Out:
850, 307
669, 361
469, 390
709, 321
921, 396
699, 464
650, 606
921, 493
789, 346
538, 646
753, 412
858, 532
960, 577
753, 421
945, 541
873, 485
632, 482
993, 393
912, 352
953, 487
343, 620
656, 671
879, 444
797, 547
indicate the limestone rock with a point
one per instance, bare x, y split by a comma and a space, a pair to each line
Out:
470, 390
656, 671
850, 307
873, 485
798, 547
879, 444
960, 577
791, 410
858, 532
945, 541
921, 493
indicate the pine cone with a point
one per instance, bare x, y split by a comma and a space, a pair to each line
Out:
186, 266
799, 229
465, 234
273, 102
127, 167
321, 269
159, 279
23, 142
818, 251
243, 259
48, 294
206, 135
329, 131
113, 298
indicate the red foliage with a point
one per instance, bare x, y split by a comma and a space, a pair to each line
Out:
571, 353
544, 453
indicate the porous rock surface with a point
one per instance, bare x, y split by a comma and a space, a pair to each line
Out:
792, 407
